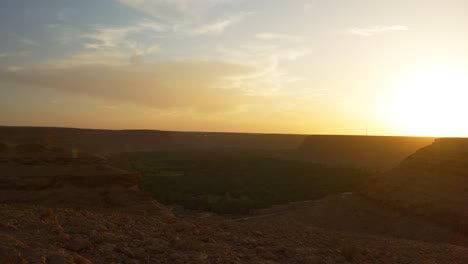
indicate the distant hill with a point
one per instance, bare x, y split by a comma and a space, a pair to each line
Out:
377, 152
433, 182
100, 141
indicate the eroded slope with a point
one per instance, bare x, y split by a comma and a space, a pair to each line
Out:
433, 182
375, 152
53, 176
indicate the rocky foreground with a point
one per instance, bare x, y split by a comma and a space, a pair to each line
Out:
59, 207
36, 234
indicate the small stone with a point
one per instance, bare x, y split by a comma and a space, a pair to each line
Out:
110, 238
31, 256
78, 244
81, 260
56, 228
107, 248
8, 255
59, 259
63, 237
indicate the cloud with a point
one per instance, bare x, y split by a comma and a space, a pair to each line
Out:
99, 57
105, 37
367, 32
27, 41
310, 5
108, 107
196, 85
215, 28
280, 37
63, 33
188, 17
220, 26
271, 79
110, 45
173, 10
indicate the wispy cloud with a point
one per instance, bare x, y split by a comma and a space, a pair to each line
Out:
269, 58
309, 4
370, 31
105, 37
63, 33
197, 85
219, 26
280, 37
108, 107
112, 45
14, 54
173, 10
192, 17
27, 41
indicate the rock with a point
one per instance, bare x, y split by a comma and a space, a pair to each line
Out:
60, 259
81, 260
63, 237
125, 250
11, 256
106, 248
110, 238
32, 256
78, 244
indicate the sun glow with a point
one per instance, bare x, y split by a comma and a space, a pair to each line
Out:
432, 101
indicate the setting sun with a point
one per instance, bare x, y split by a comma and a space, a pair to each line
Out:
430, 101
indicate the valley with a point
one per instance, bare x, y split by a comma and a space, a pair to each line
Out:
220, 204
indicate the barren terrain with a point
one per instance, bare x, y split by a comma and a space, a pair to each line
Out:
58, 205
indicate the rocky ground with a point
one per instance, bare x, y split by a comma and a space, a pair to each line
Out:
353, 213
36, 234
57, 207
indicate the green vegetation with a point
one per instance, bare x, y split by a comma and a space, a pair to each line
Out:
234, 181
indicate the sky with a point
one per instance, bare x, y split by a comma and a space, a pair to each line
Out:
269, 66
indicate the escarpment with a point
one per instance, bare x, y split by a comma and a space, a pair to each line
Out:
37, 174
432, 182
103, 142
374, 152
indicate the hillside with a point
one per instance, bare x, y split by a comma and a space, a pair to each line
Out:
432, 183
100, 141
376, 152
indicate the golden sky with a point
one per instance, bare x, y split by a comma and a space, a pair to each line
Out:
271, 66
